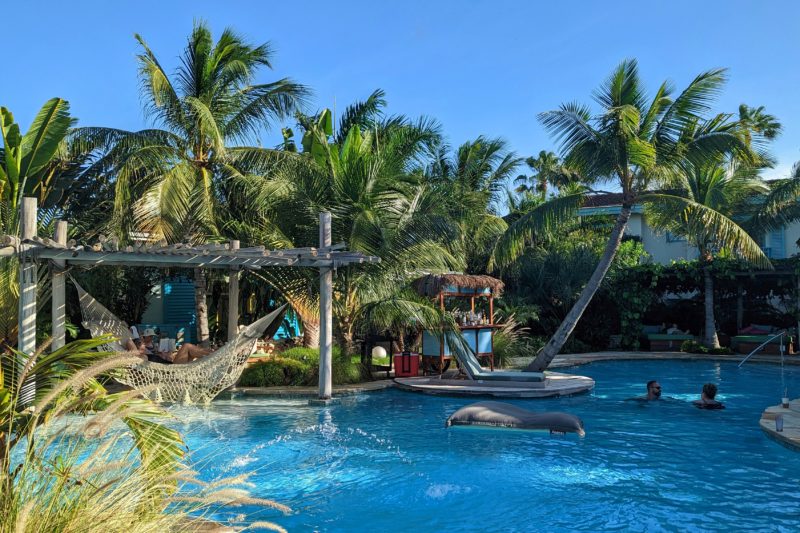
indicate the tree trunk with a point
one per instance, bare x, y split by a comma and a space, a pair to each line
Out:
201, 306
310, 334
710, 338
559, 338
401, 341
348, 344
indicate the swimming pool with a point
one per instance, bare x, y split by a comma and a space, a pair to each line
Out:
385, 462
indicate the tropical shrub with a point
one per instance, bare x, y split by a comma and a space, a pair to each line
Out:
693, 347
510, 341
275, 372
298, 366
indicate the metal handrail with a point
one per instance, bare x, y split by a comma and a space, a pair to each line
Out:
781, 334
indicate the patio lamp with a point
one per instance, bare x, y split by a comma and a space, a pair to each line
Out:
378, 351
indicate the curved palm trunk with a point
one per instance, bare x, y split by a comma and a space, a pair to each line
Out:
710, 339
559, 338
201, 306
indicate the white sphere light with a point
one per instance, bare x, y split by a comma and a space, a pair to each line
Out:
378, 351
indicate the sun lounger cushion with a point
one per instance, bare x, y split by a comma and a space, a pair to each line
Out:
508, 376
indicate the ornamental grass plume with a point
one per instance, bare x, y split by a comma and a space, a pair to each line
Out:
76, 458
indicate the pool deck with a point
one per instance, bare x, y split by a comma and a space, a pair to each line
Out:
790, 436
312, 392
573, 359
555, 384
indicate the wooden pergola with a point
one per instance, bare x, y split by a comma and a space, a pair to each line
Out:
61, 253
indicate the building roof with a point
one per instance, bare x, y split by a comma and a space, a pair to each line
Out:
603, 199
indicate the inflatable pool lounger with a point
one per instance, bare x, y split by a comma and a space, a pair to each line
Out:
505, 415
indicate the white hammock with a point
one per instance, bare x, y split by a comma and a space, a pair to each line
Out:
199, 381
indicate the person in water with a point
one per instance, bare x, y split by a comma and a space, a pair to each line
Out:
653, 392
707, 398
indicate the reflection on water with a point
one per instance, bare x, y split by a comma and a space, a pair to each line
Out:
385, 461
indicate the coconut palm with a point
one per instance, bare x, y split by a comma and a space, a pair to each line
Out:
170, 181
470, 184
756, 121
366, 175
548, 171
710, 194
634, 143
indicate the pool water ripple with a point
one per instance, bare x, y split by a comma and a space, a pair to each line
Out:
385, 461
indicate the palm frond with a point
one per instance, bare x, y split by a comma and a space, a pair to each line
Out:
705, 227
538, 220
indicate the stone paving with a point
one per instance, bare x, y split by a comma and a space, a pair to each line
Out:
555, 384
311, 392
583, 358
790, 436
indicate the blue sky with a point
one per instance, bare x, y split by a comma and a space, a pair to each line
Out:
477, 67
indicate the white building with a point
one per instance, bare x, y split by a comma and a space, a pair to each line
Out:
664, 247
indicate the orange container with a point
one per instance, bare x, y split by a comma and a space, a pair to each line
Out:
406, 365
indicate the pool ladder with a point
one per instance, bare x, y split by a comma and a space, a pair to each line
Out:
760, 346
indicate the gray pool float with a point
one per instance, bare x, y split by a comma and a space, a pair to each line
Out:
505, 415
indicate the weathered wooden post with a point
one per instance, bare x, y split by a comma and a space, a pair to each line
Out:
59, 290
26, 336
233, 297
326, 314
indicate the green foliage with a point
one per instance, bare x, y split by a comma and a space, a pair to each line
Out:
275, 372
510, 341
633, 289
693, 347
298, 366
126, 290
172, 182
117, 468
308, 355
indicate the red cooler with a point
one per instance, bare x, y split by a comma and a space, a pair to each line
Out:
406, 365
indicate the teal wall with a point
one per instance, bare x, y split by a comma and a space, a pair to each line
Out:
177, 295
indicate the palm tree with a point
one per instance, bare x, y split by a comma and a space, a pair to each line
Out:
470, 184
709, 195
755, 121
548, 170
633, 142
367, 175
170, 181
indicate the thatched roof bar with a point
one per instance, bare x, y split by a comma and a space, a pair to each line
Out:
433, 284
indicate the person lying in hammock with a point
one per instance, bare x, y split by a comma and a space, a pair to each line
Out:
147, 350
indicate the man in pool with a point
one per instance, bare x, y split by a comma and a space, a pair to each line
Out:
707, 398
653, 392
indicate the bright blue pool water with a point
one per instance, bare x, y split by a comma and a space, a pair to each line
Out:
385, 462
